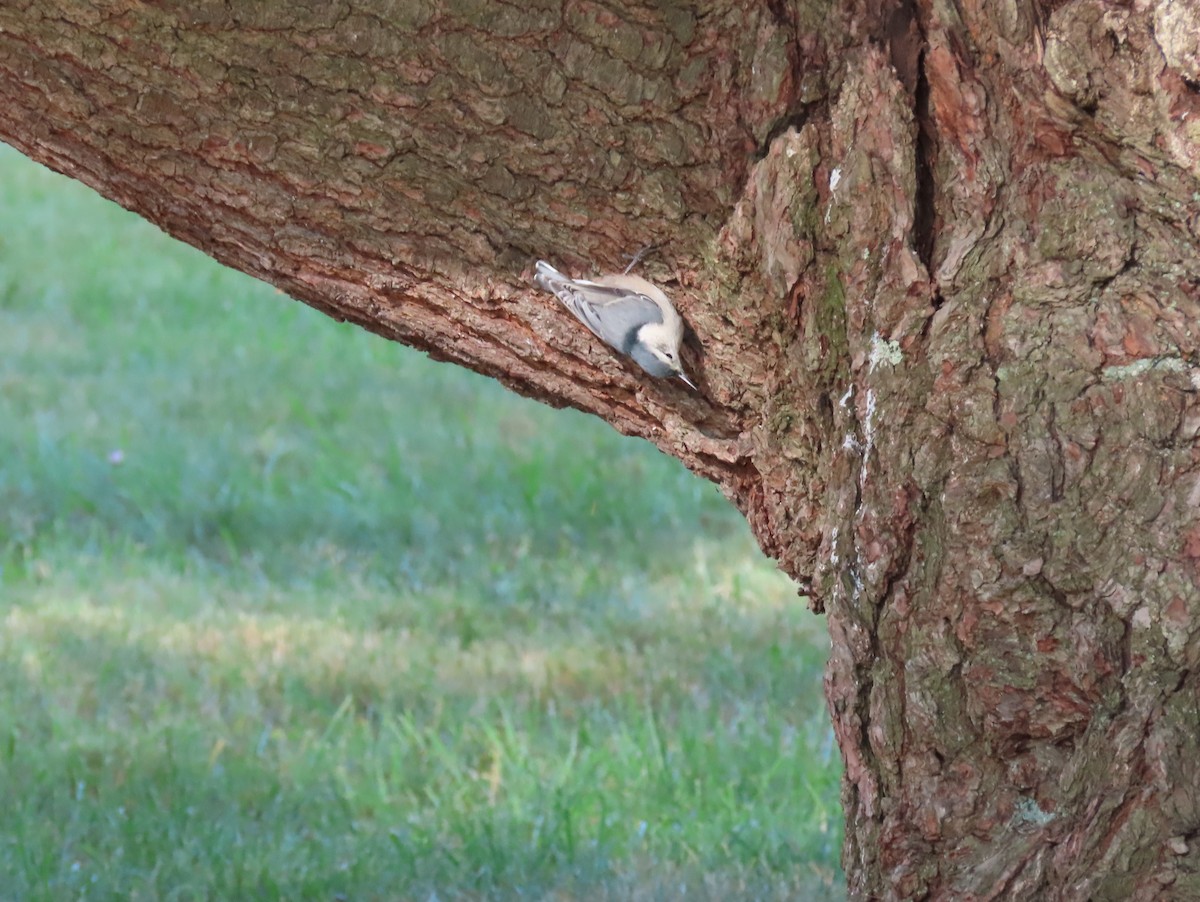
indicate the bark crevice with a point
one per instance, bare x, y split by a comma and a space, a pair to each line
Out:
946, 325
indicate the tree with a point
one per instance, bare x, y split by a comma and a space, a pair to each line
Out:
940, 262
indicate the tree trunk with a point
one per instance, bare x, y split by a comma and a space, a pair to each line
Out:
940, 259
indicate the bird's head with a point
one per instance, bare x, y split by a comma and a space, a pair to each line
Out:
657, 352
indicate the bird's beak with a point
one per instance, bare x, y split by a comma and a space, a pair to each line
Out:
687, 381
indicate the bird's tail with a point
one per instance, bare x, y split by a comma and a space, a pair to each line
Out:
572, 293
547, 277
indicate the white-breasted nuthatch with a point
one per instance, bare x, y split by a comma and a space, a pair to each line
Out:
626, 313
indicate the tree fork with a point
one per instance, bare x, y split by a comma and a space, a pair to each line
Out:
940, 260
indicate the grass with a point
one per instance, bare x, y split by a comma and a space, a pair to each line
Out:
290, 612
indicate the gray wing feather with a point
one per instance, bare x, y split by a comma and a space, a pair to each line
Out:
612, 314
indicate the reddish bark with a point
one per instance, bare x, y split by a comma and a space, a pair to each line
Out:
940, 260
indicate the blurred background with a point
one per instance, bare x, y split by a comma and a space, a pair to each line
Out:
293, 612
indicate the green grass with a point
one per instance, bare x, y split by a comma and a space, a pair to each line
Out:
290, 612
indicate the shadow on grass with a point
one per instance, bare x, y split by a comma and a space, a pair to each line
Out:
266, 755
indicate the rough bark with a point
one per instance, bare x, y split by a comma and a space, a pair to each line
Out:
940, 259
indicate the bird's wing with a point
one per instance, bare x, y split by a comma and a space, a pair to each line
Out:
613, 314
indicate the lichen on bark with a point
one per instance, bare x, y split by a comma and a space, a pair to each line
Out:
939, 264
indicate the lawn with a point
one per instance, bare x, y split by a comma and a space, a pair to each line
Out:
291, 612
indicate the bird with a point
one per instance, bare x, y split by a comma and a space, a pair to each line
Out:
627, 313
